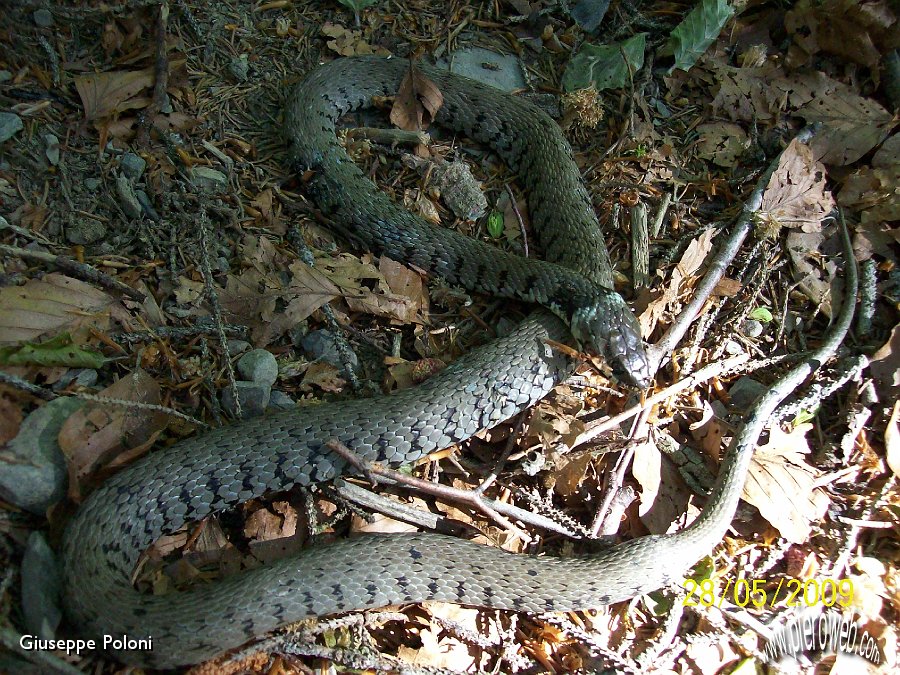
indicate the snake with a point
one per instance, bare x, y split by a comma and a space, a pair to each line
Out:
200, 476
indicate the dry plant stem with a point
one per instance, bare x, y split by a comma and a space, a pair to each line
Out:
435, 489
594, 428
843, 558
213, 298
160, 74
76, 269
519, 219
501, 460
388, 507
27, 387
718, 265
490, 507
391, 136
178, 333
640, 246
138, 405
660, 215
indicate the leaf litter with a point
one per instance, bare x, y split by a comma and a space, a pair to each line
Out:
740, 89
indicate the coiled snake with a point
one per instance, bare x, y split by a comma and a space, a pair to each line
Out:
206, 474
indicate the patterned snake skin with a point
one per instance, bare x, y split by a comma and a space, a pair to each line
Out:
206, 474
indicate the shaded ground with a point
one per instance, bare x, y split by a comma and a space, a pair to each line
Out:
150, 149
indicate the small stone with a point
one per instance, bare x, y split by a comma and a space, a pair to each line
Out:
238, 346
752, 328
745, 391
41, 588
281, 401
43, 18
10, 125
208, 179
733, 347
33, 473
323, 345
240, 67
5, 76
132, 165
127, 199
92, 184
52, 151
258, 366
80, 377
85, 231
254, 398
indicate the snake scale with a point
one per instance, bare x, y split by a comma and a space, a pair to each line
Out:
200, 476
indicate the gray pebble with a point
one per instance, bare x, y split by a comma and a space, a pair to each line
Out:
238, 346
322, 345
752, 328
41, 588
745, 391
254, 398
85, 231
5, 76
92, 183
33, 474
132, 165
52, 151
10, 125
208, 179
43, 18
281, 401
127, 199
240, 67
258, 366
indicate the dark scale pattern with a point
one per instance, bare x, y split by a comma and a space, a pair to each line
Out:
206, 474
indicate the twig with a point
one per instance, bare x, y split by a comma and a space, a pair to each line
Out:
868, 292
718, 265
27, 387
160, 74
213, 298
76, 269
640, 246
489, 507
595, 428
471, 498
388, 507
391, 136
515, 208
178, 333
138, 405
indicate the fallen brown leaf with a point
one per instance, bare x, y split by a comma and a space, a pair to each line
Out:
417, 102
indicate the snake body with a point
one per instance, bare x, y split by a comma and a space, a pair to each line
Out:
206, 474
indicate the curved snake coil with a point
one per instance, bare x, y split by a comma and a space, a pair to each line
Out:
206, 474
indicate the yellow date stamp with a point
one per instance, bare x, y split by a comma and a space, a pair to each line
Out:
760, 593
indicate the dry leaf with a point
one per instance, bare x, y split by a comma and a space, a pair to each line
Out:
417, 102
664, 498
782, 485
805, 250
796, 196
885, 365
50, 305
105, 94
98, 431
892, 440
325, 376
851, 124
874, 193
722, 142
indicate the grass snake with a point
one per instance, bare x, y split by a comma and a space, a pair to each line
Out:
200, 476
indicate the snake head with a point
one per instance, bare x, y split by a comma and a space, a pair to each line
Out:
607, 327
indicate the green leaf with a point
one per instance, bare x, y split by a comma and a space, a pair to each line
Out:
761, 314
495, 224
603, 66
356, 5
804, 416
697, 32
58, 351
